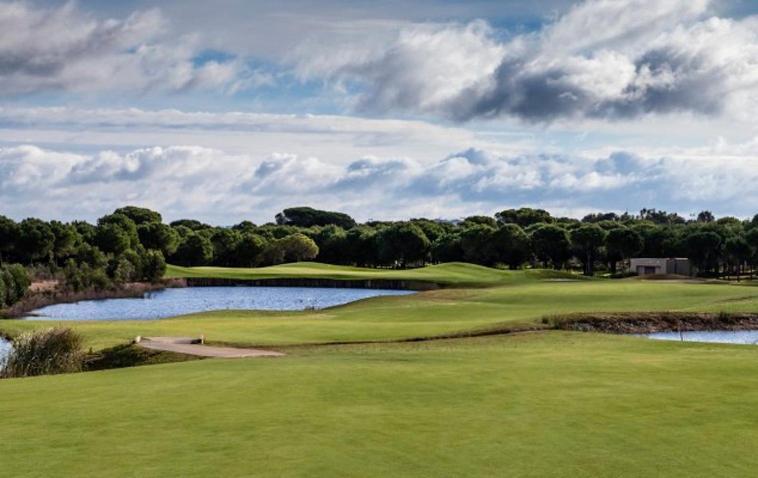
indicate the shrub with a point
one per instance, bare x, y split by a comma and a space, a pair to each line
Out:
81, 277
44, 352
2, 292
153, 266
15, 283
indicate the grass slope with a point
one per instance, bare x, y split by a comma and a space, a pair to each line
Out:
450, 274
522, 303
533, 405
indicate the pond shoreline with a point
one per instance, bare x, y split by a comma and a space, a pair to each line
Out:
179, 301
652, 322
37, 300
47, 297
387, 284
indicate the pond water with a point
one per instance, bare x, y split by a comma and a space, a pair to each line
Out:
5, 349
173, 302
712, 336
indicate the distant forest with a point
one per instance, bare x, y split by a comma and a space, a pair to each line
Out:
134, 244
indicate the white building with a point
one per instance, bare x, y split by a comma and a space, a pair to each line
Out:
644, 266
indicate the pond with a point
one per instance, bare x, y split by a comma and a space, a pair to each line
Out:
712, 336
173, 302
5, 349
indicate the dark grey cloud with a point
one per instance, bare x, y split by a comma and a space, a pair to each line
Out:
601, 59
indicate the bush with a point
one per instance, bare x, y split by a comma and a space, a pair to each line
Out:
153, 266
2, 292
15, 281
44, 352
79, 277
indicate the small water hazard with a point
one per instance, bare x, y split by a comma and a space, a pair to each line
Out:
745, 337
172, 302
5, 350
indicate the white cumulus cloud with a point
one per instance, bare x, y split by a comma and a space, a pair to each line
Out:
601, 59
65, 48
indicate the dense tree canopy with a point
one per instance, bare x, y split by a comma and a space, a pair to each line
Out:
524, 217
133, 243
587, 241
307, 217
551, 245
140, 215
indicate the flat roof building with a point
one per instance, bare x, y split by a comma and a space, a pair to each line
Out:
643, 266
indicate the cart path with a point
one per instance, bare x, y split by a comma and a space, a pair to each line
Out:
192, 346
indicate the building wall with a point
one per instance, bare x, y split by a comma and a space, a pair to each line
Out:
656, 265
679, 266
647, 266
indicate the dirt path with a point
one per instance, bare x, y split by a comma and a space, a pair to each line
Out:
191, 346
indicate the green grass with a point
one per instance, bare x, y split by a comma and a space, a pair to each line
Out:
450, 274
534, 405
523, 303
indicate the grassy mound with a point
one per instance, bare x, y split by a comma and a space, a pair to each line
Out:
450, 274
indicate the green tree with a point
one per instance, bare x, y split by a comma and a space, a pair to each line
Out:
35, 241
402, 243
66, 240
3, 290
751, 237
587, 241
225, 242
91, 255
298, 247
738, 253
704, 249
360, 246
139, 215
622, 243
112, 239
85, 230
153, 266
245, 226
524, 216
249, 249
159, 237
432, 229
308, 217
194, 250
124, 223
478, 244
16, 282
127, 266
551, 245
705, 216
9, 234
512, 245
331, 241
447, 248
190, 224
479, 221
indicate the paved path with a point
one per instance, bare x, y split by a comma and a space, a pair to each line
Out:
192, 346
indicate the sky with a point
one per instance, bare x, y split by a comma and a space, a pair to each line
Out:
236, 109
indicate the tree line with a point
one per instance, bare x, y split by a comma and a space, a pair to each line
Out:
134, 244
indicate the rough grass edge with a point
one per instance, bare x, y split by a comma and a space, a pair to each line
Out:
651, 322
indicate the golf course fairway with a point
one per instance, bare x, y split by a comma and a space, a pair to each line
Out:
537, 403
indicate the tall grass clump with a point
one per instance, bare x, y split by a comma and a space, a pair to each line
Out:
44, 352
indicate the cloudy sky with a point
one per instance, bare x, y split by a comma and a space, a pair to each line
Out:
235, 109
